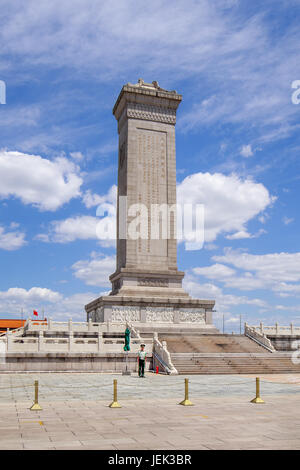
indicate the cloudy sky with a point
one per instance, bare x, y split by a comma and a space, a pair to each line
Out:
237, 137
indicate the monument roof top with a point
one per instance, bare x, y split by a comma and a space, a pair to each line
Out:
154, 86
150, 89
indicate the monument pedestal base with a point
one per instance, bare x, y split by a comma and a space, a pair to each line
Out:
149, 314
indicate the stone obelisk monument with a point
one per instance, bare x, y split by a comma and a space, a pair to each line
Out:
147, 286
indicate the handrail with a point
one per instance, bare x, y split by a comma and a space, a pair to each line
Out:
161, 350
259, 338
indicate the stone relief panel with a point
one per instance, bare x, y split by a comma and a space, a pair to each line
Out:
123, 314
192, 316
91, 315
160, 314
99, 317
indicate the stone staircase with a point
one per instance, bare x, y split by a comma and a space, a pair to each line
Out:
216, 343
225, 354
276, 363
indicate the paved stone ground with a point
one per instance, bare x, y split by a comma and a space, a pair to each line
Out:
75, 414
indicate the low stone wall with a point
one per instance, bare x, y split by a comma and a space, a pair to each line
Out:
284, 342
73, 362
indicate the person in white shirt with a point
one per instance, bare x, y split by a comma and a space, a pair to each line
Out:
142, 361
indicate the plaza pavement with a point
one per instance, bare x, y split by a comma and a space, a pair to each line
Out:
76, 415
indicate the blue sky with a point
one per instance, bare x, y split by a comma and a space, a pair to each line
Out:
237, 138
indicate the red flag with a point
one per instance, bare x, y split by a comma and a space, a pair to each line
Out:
35, 313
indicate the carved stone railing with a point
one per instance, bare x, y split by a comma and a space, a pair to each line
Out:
70, 325
134, 332
161, 353
69, 343
277, 329
259, 337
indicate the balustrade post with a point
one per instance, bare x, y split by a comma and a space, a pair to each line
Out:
276, 328
71, 341
41, 341
50, 324
70, 324
261, 328
100, 341
8, 340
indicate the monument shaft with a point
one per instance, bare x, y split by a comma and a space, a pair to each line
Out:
146, 117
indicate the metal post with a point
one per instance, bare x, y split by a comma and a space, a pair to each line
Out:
240, 324
257, 399
186, 401
115, 403
36, 406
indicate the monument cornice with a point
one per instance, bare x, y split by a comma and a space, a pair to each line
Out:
143, 94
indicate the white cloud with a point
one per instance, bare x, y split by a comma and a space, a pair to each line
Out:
82, 227
73, 228
224, 302
91, 199
87, 227
277, 272
216, 271
34, 180
77, 156
11, 240
246, 151
95, 271
229, 201
287, 220
273, 266
239, 235
16, 298
244, 234
54, 304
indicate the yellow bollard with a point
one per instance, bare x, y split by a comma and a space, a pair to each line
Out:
186, 401
115, 403
257, 399
36, 406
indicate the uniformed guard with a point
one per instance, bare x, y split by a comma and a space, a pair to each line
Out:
142, 360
